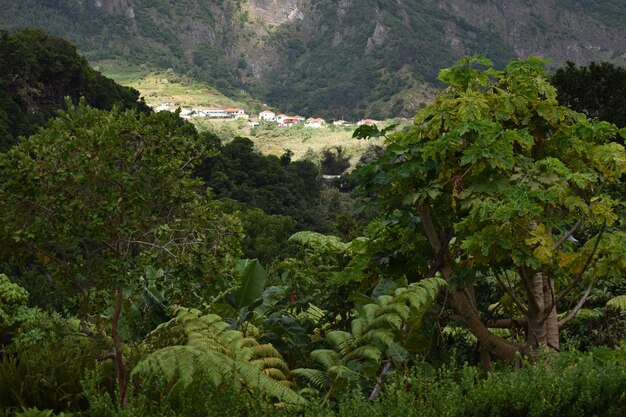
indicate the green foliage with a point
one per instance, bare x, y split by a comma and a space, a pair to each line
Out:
264, 235
320, 241
97, 196
334, 161
388, 330
47, 372
252, 278
598, 90
495, 171
276, 186
191, 347
37, 72
618, 302
35, 412
18, 322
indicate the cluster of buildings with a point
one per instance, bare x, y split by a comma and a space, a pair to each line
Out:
210, 112
282, 120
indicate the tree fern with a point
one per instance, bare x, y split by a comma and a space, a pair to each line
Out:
387, 330
192, 346
314, 239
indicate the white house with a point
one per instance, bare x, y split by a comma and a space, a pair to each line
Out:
315, 122
267, 115
164, 107
212, 112
281, 118
368, 122
185, 113
234, 112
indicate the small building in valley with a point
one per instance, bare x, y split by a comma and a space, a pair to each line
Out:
234, 112
267, 115
369, 122
315, 122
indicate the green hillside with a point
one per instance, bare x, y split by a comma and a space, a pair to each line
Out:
328, 58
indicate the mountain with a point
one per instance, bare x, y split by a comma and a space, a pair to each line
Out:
332, 58
38, 72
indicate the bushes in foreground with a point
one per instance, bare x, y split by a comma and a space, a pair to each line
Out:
576, 385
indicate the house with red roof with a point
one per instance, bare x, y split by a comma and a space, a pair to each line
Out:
315, 122
234, 112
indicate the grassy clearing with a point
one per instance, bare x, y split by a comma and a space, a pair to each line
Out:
304, 142
158, 87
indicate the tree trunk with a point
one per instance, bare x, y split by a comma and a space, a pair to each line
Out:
460, 298
552, 321
543, 330
120, 367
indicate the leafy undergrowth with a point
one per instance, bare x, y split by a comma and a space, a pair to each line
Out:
592, 384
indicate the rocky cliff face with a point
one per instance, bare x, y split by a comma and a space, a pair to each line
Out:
547, 28
330, 56
276, 12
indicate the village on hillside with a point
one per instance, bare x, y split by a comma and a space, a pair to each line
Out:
234, 113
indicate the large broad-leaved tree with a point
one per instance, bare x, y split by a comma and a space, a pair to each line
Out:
509, 190
91, 201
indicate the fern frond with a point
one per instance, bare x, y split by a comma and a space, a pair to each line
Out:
340, 340
266, 350
210, 350
276, 374
358, 327
247, 342
367, 352
272, 363
383, 300
253, 379
380, 336
326, 357
314, 240
368, 311
618, 302
432, 286
316, 377
175, 365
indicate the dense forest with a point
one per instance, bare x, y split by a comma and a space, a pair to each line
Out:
472, 266
38, 72
328, 58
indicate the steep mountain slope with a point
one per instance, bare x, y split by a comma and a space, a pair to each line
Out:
38, 72
334, 58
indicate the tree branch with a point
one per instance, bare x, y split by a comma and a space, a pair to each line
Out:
511, 293
507, 323
379, 383
566, 235
119, 360
429, 228
580, 304
578, 276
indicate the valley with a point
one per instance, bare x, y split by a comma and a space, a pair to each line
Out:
269, 138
